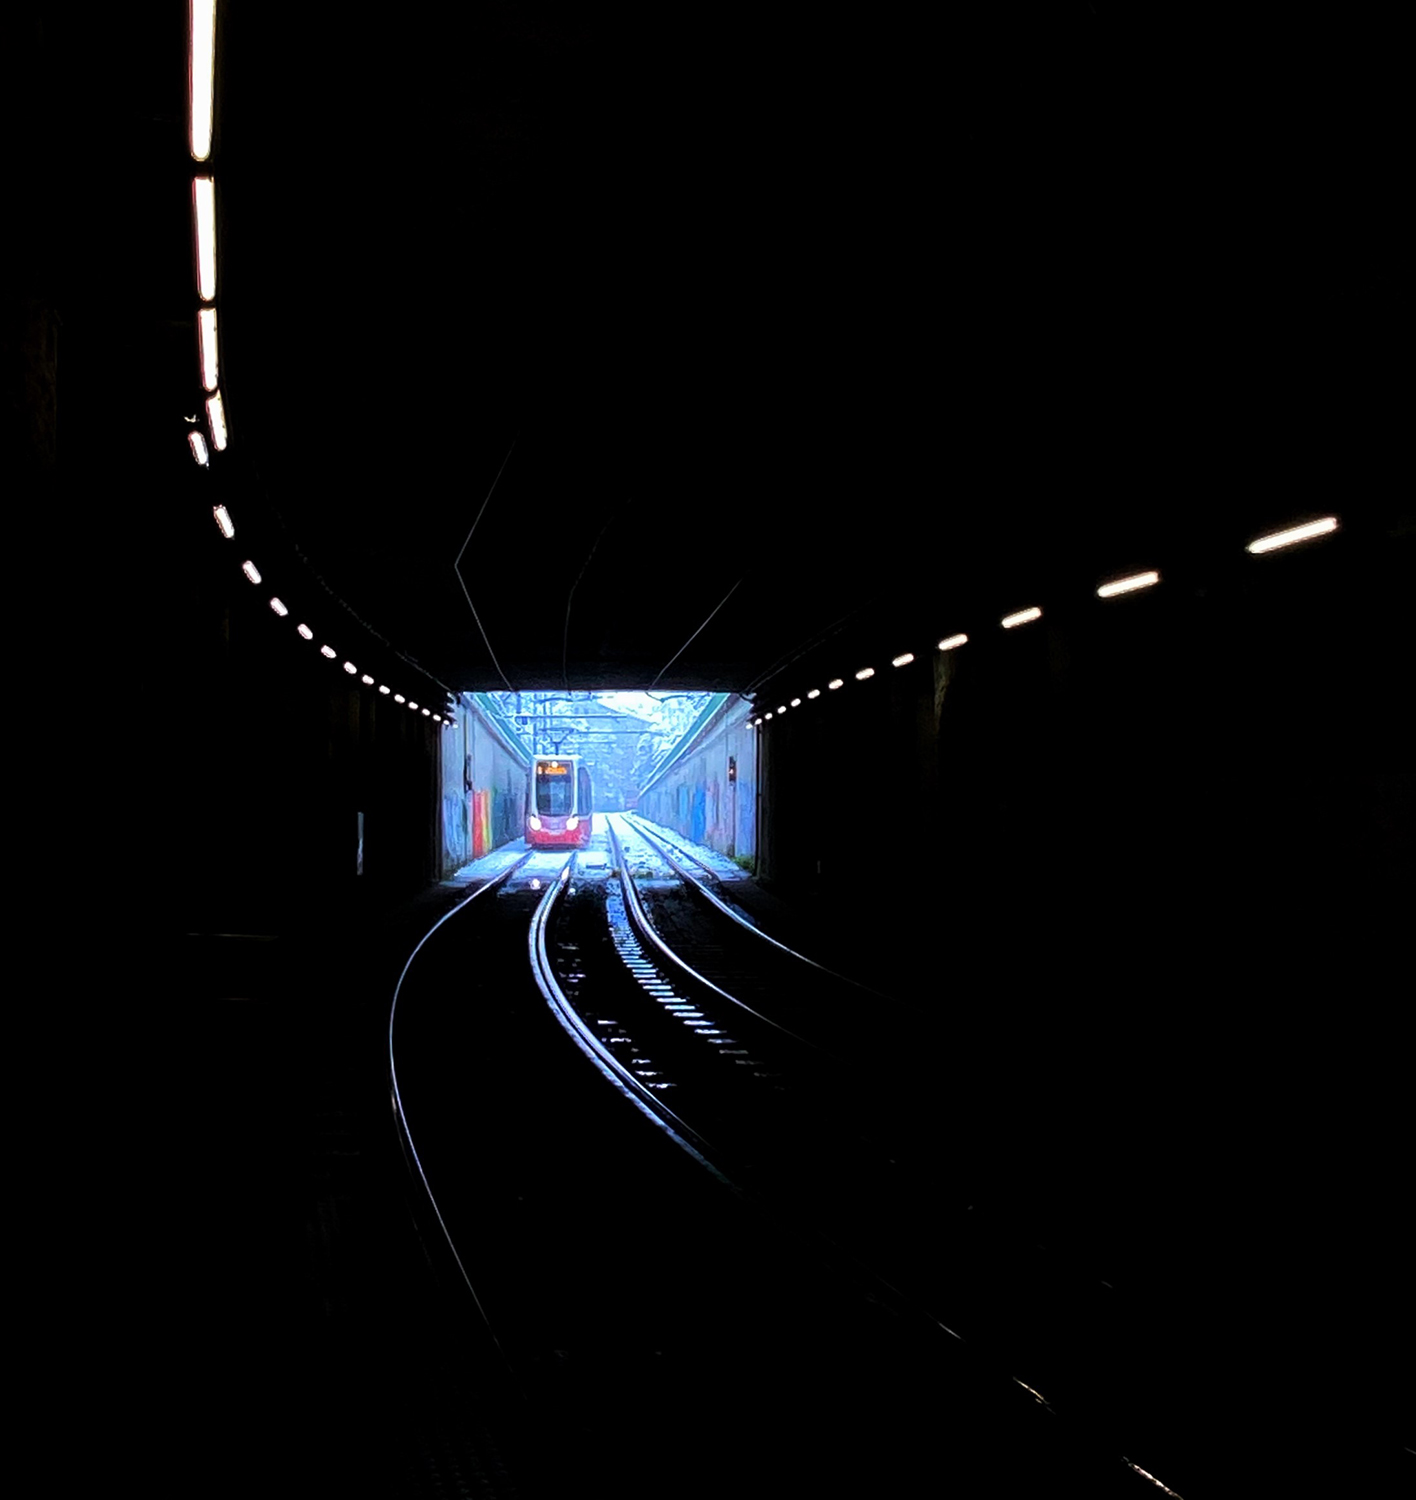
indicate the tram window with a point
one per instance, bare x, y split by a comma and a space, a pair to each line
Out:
555, 791
583, 779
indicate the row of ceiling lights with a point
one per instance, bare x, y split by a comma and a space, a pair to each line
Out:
1272, 542
202, 94
228, 529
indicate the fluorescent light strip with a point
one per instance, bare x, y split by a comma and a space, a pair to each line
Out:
306, 632
796, 702
834, 683
1276, 539
864, 673
279, 608
1023, 617
351, 669
399, 698
197, 442
206, 340
367, 680
223, 519
202, 61
781, 708
903, 660
328, 651
814, 693
383, 689
204, 210
251, 571
216, 420
427, 713
412, 704
953, 642
1127, 585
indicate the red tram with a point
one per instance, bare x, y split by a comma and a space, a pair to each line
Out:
559, 803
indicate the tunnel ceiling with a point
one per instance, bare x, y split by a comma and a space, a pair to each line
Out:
598, 352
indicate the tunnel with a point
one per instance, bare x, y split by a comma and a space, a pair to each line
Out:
993, 418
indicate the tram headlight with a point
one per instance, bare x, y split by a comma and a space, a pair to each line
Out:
572, 823
535, 823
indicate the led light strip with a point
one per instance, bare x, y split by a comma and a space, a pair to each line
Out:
1116, 587
201, 75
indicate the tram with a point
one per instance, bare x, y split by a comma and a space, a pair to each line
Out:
559, 800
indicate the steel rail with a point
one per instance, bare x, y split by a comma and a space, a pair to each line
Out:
645, 1100
405, 1135
1084, 1426
646, 928
662, 848
641, 825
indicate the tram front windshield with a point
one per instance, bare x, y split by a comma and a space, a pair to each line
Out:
555, 788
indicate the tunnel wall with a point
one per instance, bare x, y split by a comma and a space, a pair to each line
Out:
1241, 718
483, 784
694, 794
1148, 859
260, 786
309, 791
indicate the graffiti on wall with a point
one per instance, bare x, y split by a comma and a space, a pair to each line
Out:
702, 800
482, 822
454, 818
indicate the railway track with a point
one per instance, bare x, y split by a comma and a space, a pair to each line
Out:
832, 1141
760, 1098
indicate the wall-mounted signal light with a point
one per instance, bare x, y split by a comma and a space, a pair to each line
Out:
1294, 534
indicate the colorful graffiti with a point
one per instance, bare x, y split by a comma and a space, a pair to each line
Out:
482, 822
454, 816
702, 798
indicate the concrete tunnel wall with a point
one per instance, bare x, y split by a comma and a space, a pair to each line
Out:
304, 790
1196, 756
1150, 860
694, 794
484, 774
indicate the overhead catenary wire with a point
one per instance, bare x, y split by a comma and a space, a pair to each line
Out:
570, 597
721, 602
457, 569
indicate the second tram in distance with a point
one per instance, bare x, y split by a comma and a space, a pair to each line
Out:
558, 803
